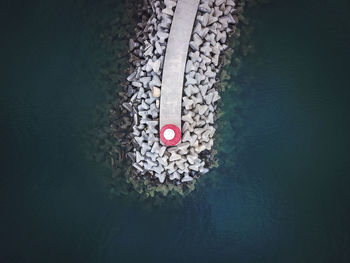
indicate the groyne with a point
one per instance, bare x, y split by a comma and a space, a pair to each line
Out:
153, 162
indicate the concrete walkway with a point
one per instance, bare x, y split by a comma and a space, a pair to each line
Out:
175, 61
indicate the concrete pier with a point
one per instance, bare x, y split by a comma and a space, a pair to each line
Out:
175, 62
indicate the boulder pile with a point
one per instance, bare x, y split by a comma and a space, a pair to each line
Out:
190, 158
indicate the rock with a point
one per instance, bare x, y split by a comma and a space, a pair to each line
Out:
219, 2
158, 47
205, 136
141, 96
127, 106
162, 36
195, 56
131, 76
186, 126
204, 7
132, 45
199, 77
201, 109
190, 89
145, 148
180, 164
191, 158
188, 138
200, 148
139, 157
145, 81
210, 118
174, 176
190, 80
161, 177
136, 84
174, 157
183, 146
186, 178
155, 65
156, 92
209, 98
209, 73
196, 42
163, 161
170, 167
206, 49
187, 103
155, 81
139, 140
138, 167
187, 117
162, 151
216, 97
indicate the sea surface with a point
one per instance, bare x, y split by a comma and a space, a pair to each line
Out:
283, 198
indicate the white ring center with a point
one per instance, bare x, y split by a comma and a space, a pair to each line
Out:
169, 134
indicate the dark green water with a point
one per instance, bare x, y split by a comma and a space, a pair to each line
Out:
285, 200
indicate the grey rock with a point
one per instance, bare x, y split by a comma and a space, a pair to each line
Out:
206, 49
155, 81
191, 158
174, 157
162, 151
174, 176
183, 146
180, 164
204, 8
205, 136
139, 140
209, 98
187, 117
159, 48
170, 167
202, 32
200, 148
230, 2
138, 167
201, 109
217, 12
162, 36
139, 157
155, 148
136, 84
210, 118
209, 73
190, 80
203, 19
131, 76
163, 161
190, 90
161, 176
127, 106
145, 148
186, 178
145, 81
195, 56
187, 103
216, 97
219, 2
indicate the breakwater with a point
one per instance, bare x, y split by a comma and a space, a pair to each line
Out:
153, 162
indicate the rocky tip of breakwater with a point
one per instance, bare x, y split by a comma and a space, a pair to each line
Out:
191, 158
121, 145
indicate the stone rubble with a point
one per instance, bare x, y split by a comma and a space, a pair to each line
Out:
186, 161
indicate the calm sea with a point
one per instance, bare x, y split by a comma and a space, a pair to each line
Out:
283, 198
